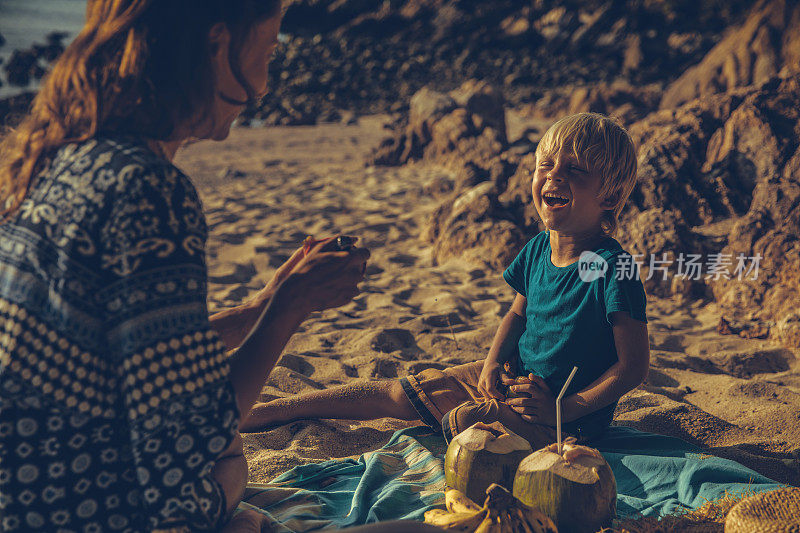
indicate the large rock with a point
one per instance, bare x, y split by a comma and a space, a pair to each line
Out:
472, 226
465, 126
656, 237
621, 100
517, 198
765, 45
721, 175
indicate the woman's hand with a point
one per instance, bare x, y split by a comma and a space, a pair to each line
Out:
326, 279
538, 405
493, 374
263, 296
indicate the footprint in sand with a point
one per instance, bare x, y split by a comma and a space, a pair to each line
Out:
291, 382
381, 368
349, 370
373, 270
296, 363
236, 238
747, 364
228, 273
659, 379
236, 295
403, 259
393, 340
276, 259
443, 321
668, 343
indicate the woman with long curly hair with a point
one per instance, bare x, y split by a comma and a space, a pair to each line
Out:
119, 408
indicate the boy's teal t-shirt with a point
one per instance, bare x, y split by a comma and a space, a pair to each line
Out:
569, 317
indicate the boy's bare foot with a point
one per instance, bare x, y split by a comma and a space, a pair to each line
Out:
262, 416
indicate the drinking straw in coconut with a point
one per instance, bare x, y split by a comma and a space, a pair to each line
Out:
558, 407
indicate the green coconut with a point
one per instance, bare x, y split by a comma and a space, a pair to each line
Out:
577, 489
481, 455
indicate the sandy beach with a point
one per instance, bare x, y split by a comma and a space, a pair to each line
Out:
264, 190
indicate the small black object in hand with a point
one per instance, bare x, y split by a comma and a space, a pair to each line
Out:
345, 242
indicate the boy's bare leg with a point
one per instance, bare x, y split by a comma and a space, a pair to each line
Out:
357, 401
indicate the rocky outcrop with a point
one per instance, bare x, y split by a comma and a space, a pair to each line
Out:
364, 56
720, 177
766, 45
472, 226
621, 100
369, 57
464, 130
27, 65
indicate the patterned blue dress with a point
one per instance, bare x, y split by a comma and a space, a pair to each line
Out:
114, 391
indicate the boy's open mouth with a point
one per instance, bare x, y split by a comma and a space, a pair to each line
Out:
555, 200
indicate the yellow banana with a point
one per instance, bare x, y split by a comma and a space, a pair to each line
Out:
458, 502
490, 525
501, 513
462, 522
534, 521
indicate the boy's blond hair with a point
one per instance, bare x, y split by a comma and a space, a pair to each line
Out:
605, 147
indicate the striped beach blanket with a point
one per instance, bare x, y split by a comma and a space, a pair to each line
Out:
656, 476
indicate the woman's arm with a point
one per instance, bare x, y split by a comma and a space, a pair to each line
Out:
234, 324
321, 280
503, 346
230, 471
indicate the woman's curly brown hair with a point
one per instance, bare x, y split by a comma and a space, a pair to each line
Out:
138, 66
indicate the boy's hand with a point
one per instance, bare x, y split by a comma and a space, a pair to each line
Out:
540, 407
491, 376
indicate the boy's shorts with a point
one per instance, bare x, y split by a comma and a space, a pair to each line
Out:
450, 399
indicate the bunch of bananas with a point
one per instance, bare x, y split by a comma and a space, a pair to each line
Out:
501, 513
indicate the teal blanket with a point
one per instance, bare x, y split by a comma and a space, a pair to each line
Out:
656, 476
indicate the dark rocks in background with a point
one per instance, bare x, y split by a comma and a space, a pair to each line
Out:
2, 40
13, 108
366, 57
721, 175
22, 67
662, 234
53, 48
764, 132
764, 46
516, 197
371, 57
465, 131
619, 99
28, 65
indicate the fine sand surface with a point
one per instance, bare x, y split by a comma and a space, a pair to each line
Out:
264, 190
